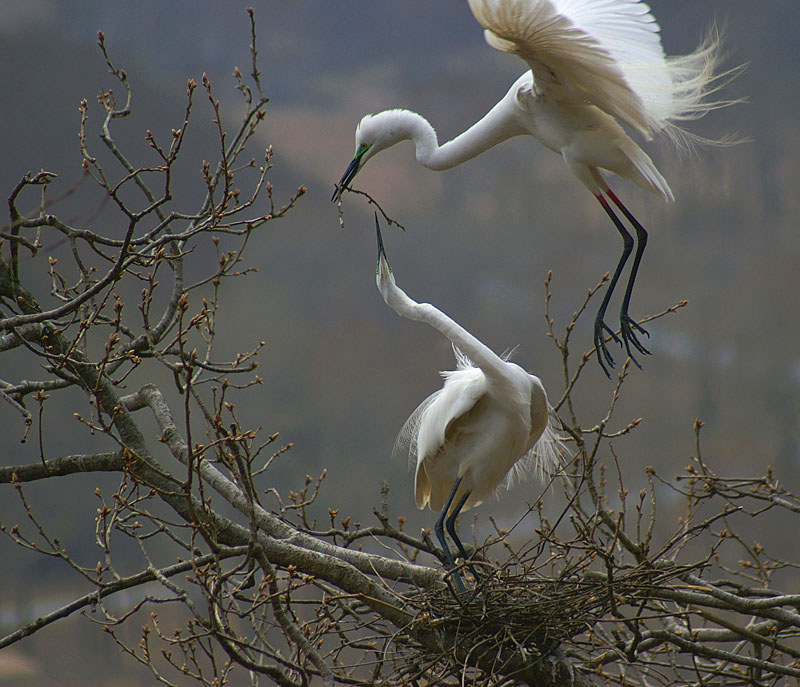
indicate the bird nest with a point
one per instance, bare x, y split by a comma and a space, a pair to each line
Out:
534, 614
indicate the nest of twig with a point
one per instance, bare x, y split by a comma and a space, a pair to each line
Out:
511, 611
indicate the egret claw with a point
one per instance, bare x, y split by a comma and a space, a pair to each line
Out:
628, 329
603, 355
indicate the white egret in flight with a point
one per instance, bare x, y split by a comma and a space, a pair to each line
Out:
489, 425
593, 65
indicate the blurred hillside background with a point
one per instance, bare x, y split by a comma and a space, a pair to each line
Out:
341, 372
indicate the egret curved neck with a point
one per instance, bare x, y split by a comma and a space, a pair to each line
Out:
499, 124
478, 352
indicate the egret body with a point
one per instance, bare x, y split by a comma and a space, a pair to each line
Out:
593, 66
488, 426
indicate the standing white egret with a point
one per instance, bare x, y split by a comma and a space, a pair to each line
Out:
593, 64
488, 425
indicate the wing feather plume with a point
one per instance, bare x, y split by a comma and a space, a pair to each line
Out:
607, 52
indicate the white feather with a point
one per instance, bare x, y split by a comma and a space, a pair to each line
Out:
543, 460
609, 53
444, 441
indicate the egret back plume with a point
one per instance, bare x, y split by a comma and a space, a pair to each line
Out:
407, 438
694, 85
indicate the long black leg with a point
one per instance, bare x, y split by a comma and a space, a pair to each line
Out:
600, 327
627, 324
451, 528
439, 529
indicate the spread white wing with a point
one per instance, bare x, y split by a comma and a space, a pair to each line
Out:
607, 52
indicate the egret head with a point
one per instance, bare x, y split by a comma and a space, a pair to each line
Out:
375, 132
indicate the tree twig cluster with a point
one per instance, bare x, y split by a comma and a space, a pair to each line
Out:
253, 590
